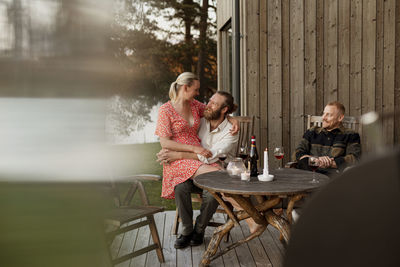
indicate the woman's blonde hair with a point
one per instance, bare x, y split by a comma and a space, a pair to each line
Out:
185, 78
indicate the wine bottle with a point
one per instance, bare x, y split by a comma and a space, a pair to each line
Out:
253, 157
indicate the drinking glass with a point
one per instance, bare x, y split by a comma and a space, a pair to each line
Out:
244, 154
279, 153
222, 157
313, 162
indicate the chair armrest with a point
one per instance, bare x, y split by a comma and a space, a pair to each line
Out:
291, 164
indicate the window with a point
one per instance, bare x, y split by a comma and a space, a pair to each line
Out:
226, 53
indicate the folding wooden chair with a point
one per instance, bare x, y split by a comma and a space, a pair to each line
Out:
120, 218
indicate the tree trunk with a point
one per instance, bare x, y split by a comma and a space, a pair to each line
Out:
202, 50
18, 28
188, 20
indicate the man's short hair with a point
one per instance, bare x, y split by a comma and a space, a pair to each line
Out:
338, 105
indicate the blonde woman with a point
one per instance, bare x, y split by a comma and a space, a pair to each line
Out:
177, 126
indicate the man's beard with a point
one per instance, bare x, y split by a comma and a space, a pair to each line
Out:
212, 115
330, 125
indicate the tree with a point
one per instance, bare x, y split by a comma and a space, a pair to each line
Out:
152, 63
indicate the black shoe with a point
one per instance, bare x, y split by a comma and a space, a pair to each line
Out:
197, 239
183, 241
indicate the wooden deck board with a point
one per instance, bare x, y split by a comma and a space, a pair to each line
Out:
257, 250
197, 251
152, 260
168, 241
142, 241
127, 245
266, 250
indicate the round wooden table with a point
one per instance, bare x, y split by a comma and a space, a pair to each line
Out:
293, 184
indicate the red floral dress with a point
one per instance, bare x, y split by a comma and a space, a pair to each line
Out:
171, 124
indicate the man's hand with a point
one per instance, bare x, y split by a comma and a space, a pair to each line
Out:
166, 156
325, 162
202, 151
333, 164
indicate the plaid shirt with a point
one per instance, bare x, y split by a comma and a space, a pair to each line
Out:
342, 144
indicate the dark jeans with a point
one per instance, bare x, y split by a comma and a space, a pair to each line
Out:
183, 202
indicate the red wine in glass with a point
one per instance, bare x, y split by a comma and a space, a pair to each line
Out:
243, 156
222, 157
278, 154
313, 168
314, 165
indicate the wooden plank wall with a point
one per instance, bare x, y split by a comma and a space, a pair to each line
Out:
300, 55
224, 12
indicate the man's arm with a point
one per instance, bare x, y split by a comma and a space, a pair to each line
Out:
224, 144
303, 149
353, 152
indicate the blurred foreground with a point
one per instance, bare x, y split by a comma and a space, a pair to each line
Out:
56, 71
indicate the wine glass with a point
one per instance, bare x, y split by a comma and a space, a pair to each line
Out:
222, 157
243, 154
313, 162
279, 153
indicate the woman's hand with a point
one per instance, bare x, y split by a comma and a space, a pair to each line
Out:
235, 125
166, 156
202, 151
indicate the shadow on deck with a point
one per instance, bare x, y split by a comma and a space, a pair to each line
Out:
266, 250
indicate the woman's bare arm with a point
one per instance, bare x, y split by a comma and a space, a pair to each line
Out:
167, 143
235, 125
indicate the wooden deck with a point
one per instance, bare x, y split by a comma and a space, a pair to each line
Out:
266, 250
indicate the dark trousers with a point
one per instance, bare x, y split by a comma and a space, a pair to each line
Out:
183, 202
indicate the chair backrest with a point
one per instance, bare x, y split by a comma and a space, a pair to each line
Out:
246, 130
348, 122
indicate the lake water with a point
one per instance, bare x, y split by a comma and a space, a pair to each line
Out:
145, 135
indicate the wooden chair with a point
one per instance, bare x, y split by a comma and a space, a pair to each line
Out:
313, 120
246, 129
120, 219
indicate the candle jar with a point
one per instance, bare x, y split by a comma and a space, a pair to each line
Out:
236, 167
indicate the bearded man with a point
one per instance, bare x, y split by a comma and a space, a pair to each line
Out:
335, 146
215, 136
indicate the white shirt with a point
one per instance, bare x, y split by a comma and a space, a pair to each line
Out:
219, 138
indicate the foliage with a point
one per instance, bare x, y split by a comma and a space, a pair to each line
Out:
126, 115
153, 56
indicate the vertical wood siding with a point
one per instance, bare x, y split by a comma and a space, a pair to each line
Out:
264, 73
285, 77
274, 105
302, 54
252, 68
296, 72
388, 66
